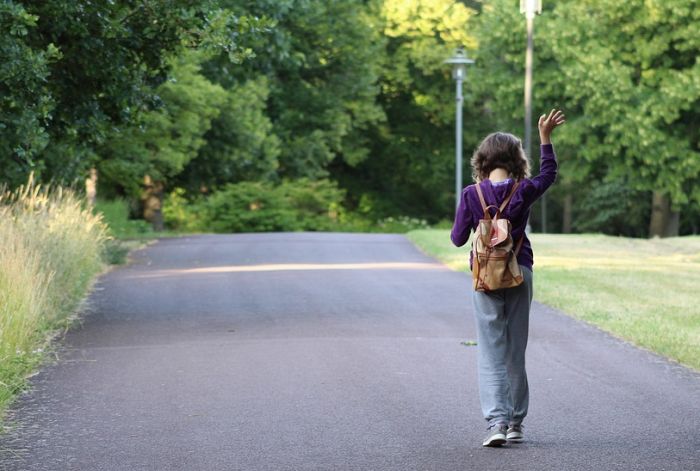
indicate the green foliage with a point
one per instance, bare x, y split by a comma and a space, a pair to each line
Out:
627, 75
639, 89
182, 215
25, 101
299, 205
613, 208
198, 95
322, 63
240, 145
115, 214
75, 70
171, 135
411, 169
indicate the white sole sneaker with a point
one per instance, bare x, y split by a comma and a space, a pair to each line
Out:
495, 439
514, 436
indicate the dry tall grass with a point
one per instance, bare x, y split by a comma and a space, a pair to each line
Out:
50, 252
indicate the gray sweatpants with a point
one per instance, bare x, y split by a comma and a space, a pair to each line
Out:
502, 320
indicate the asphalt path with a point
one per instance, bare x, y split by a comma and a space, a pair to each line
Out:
313, 351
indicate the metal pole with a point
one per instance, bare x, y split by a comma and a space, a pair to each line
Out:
528, 105
458, 146
528, 89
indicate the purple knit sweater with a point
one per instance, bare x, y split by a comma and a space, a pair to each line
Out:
469, 211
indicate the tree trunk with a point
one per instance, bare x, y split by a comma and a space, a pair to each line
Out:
91, 187
664, 222
567, 215
673, 224
153, 203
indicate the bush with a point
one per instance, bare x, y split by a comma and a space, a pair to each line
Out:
613, 208
181, 215
299, 205
50, 249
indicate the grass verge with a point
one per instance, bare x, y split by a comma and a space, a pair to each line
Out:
51, 249
125, 234
644, 291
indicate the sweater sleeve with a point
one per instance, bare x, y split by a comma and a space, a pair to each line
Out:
463, 221
548, 174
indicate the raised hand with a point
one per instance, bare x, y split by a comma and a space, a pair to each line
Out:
547, 124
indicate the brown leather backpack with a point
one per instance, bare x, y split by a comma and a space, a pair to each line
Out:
495, 259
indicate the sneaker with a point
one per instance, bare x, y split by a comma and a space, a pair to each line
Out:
515, 433
496, 436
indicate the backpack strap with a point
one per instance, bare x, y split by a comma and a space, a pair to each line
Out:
484, 206
503, 206
507, 200
520, 244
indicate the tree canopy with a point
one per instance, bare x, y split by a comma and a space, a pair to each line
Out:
77, 70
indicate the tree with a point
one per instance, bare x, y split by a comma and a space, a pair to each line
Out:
640, 93
25, 101
320, 62
169, 137
627, 76
79, 69
499, 93
411, 169
240, 145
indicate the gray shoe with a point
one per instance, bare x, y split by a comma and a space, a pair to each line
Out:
515, 433
496, 436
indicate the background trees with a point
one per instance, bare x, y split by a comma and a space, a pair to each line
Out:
412, 158
196, 96
81, 71
640, 91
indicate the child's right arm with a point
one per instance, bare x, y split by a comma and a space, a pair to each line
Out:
548, 161
547, 124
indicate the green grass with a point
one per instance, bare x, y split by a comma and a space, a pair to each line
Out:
125, 234
644, 291
115, 213
50, 252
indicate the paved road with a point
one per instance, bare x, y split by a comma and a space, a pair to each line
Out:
329, 352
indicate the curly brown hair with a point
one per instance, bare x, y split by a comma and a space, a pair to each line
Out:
500, 150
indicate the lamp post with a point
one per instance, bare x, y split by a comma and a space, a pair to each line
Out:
459, 71
531, 8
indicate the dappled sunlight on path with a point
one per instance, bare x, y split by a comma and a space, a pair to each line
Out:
291, 267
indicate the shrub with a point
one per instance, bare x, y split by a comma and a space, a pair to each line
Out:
181, 215
298, 205
613, 208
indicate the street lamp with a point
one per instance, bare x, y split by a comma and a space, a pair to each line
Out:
459, 71
531, 8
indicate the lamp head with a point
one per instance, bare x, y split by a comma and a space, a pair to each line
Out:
459, 64
530, 8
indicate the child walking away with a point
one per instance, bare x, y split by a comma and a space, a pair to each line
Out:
500, 204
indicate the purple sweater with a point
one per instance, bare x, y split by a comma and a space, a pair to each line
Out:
470, 212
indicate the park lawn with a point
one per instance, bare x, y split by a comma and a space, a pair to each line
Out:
643, 291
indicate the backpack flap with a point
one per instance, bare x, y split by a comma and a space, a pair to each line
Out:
500, 231
485, 230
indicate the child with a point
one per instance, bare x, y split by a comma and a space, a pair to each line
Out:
502, 315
